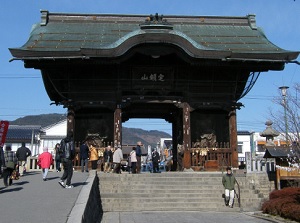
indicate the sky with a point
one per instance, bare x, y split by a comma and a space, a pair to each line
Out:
23, 92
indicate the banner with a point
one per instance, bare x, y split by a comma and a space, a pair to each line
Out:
3, 131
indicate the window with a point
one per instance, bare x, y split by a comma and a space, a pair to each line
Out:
240, 147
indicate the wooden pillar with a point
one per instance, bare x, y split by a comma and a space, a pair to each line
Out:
71, 121
186, 135
233, 138
118, 127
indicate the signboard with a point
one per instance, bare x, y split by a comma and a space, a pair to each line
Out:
3, 131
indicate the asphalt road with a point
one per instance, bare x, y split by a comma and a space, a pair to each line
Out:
32, 200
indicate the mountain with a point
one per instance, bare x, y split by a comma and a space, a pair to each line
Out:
129, 135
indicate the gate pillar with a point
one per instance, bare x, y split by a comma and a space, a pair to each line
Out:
71, 120
186, 135
233, 138
118, 127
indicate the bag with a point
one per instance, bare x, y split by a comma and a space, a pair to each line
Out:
10, 164
15, 175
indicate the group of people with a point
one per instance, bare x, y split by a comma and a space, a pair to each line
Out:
13, 163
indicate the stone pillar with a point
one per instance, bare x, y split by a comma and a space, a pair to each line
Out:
71, 121
118, 127
186, 135
233, 139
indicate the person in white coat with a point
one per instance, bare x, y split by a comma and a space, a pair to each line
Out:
117, 158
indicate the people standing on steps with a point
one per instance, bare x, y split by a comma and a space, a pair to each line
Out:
138, 156
108, 156
22, 153
84, 155
93, 156
117, 158
133, 160
155, 161
228, 181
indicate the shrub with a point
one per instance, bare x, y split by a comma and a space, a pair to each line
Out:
285, 203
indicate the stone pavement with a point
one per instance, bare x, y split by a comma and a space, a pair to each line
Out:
31, 200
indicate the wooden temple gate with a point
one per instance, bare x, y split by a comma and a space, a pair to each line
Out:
189, 70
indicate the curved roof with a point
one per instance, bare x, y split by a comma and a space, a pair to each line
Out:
99, 35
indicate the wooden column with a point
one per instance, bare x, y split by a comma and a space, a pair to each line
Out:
186, 135
71, 121
118, 127
233, 138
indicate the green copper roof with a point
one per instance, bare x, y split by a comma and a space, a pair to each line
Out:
94, 35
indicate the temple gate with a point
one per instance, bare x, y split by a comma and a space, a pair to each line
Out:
189, 70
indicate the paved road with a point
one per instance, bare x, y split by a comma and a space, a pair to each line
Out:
32, 200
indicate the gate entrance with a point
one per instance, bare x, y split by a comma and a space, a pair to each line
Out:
188, 70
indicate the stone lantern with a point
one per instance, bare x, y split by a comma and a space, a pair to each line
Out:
269, 133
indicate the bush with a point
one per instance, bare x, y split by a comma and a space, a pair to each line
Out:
285, 203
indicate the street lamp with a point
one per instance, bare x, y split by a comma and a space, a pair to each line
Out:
284, 94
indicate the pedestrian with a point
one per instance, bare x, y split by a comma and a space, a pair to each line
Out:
57, 157
228, 181
22, 153
45, 160
107, 159
9, 165
155, 161
93, 156
2, 161
67, 152
133, 160
84, 155
138, 157
117, 158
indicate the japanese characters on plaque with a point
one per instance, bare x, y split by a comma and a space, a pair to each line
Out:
153, 77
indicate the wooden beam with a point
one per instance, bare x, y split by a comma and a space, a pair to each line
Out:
186, 135
233, 138
118, 127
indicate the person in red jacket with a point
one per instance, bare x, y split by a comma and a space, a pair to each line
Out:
45, 160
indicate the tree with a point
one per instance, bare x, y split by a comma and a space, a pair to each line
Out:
289, 112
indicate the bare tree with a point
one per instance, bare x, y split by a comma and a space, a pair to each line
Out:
287, 119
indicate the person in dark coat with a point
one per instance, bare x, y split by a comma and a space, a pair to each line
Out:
84, 155
22, 153
228, 181
138, 152
155, 161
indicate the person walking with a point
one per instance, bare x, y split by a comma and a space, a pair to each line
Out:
45, 160
67, 152
84, 155
228, 181
9, 165
22, 153
93, 156
138, 157
57, 157
117, 158
133, 160
107, 159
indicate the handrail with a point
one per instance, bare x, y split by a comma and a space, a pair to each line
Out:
239, 193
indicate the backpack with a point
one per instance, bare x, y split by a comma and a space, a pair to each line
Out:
66, 150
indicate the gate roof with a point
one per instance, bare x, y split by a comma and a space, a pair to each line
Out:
61, 35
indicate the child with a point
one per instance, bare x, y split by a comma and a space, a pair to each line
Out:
45, 160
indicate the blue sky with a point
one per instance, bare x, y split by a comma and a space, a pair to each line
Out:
22, 90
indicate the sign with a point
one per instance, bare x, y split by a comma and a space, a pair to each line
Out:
3, 131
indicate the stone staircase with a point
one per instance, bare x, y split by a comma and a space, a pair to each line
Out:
171, 191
